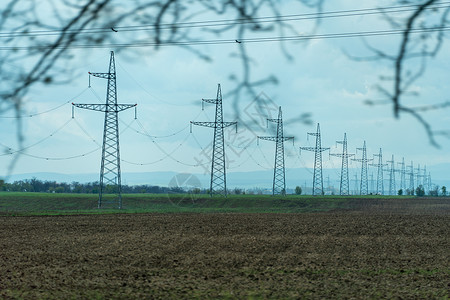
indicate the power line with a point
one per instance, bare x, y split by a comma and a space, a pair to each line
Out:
338, 35
12, 151
228, 22
43, 112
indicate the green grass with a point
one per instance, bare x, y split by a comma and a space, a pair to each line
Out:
25, 203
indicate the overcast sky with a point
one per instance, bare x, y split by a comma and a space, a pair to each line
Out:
168, 86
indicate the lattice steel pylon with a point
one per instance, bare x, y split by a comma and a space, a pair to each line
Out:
110, 175
425, 180
364, 188
410, 172
402, 175
344, 188
218, 184
392, 171
418, 175
317, 176
379, 165
279, 182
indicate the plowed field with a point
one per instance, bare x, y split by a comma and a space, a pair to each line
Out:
319, 255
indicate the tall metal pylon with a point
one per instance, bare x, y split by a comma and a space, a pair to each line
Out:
110, 175
418, 175
372, 183
392, 177
344, 188
279, 182
364, 188
411, 178
379, 165
425, 180
402, 175
218, 184
317, 177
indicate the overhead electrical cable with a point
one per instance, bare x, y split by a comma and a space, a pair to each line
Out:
337, 35
43, 112
11, 151
169, 155
228, 22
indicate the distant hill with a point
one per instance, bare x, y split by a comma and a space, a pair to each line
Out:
262, 179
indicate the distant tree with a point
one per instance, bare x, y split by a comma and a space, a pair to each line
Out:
420, 191
444, 190
298, 190
196, 191
59, 189
237, 191
434, 192
400, 192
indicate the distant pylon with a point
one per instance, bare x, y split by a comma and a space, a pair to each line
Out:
425, 180
379, 165
279, 182
344, 188
372, 183
402, 175
218, 184
418, 176
317, 177
110, 166
411, 178
364, 188
392, 177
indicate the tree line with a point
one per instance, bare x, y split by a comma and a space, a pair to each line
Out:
36, 185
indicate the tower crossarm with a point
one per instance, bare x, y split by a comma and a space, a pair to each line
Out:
214, 124
362, 159
213, 101
204, 124
105, 107
103, 75
274, 138
314, 149
342, 155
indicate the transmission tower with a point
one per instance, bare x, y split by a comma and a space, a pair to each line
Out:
344, 188
317, 177
410, 172
425, 180
372, 183
392, 177
110, 166
218, 183
364, 188
418, 175
279, 183
356, 184
402, 175
379, 165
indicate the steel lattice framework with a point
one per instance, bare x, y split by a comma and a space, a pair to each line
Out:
402, 175
344, 188
379, 165
317, 177
279, 182
110, 175
364, 188
425, 180
392, 171
418, 176
410, 172
218, 183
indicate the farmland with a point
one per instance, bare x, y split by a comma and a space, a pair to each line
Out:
243, 247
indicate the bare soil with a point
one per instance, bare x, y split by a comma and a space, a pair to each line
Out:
172, 256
